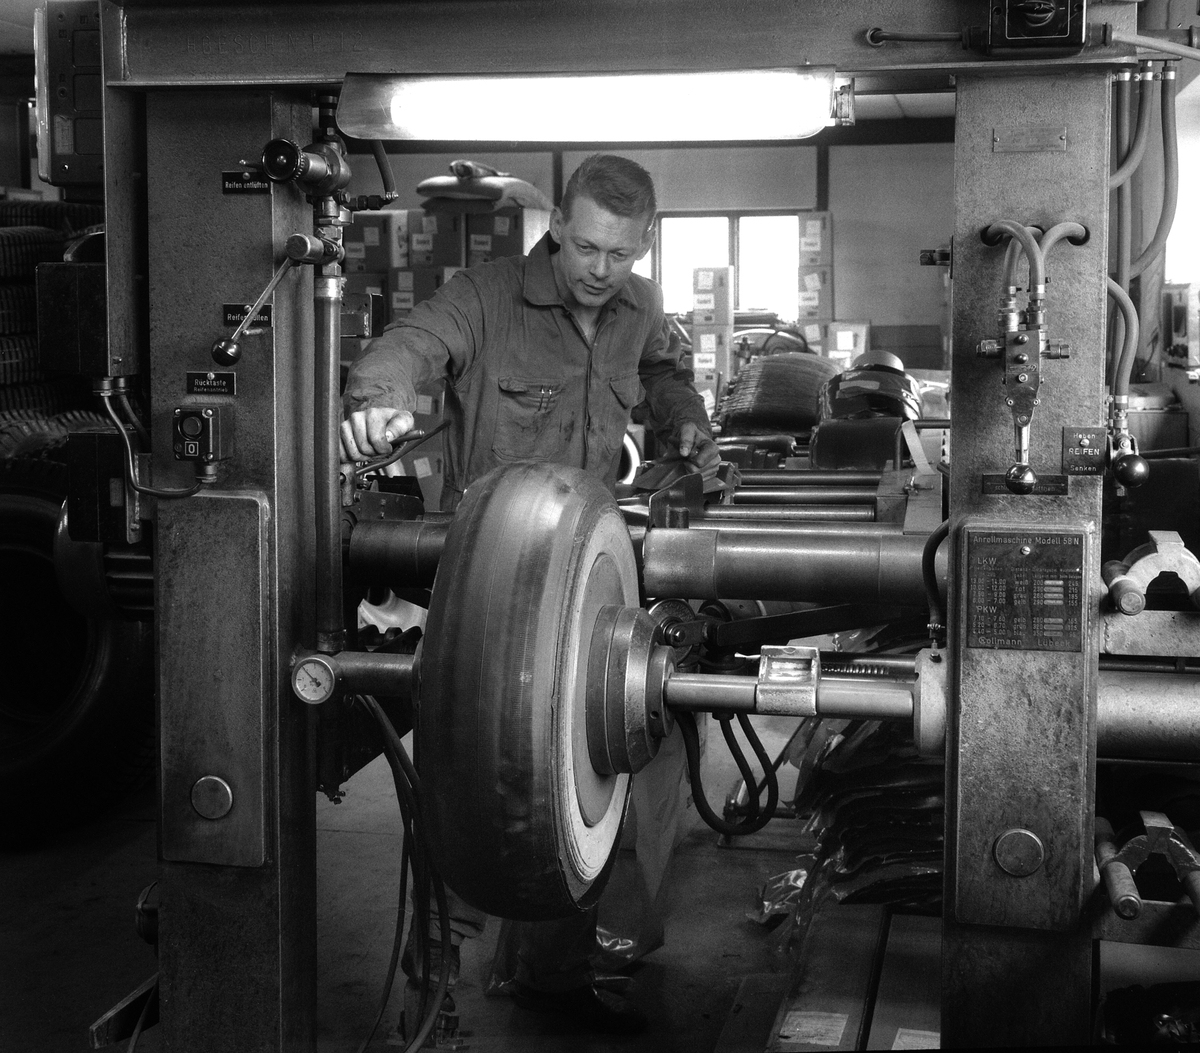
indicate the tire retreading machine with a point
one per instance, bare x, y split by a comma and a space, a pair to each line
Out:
250, 604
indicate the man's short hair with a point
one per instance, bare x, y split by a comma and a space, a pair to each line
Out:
620, 185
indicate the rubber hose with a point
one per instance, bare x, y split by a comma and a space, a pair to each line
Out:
933, 592
1163, 47
768, 766
1124, 370
1037, 268
1166, 217
1141, 136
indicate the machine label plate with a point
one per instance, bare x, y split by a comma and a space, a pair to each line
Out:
1046, 486
239, 181
1024, 590
1083, 450
212, 383
233, 314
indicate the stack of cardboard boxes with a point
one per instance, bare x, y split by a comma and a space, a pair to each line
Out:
404, 256
714, 360
815, 304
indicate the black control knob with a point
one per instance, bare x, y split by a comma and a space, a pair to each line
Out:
1020, 479
226, 352
1130, 469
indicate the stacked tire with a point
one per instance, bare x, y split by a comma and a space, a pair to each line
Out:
76, 703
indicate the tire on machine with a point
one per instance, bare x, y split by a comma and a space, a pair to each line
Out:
77, 705
522, 825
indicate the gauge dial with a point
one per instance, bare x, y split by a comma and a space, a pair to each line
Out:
314, 680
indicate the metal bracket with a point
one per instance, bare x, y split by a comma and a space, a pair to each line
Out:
787, 681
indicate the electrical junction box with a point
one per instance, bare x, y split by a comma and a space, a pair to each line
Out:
1057, 26
70, 92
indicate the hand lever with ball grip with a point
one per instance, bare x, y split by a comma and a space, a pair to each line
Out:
300, 248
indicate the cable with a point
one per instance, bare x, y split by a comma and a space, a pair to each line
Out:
1164, 47
405, 446
138, 426
1170, 137
876, 37
131, 461
933, 592
770, 776
691, 745
409, 797
385, 170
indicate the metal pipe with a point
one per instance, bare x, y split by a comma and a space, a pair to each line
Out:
703, 692
376, 672
327, 301
863, 698
816, 526
800, 495
836, 696
827, 566
400, 554
1148, 716
806, 477
789, 513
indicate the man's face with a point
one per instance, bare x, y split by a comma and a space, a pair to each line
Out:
598, 250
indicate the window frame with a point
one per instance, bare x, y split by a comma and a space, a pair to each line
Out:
732, 215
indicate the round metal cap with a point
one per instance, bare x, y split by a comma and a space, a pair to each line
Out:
1019, 852
211, 797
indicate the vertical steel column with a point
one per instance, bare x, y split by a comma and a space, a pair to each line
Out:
234, 583
1017, 953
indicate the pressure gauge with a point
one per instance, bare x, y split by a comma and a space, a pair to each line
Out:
314, 680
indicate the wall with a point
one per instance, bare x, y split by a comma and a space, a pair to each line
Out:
888, 203
694, 179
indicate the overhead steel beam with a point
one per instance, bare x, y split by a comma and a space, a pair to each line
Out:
316, 44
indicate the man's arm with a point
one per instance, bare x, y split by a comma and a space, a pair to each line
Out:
676, 409
438, 339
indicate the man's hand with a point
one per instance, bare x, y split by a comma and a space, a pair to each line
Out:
370, 433
698, 448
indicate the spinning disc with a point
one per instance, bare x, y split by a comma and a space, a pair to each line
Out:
523, 824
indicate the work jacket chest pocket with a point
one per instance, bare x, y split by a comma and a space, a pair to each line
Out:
625, 392
526, 413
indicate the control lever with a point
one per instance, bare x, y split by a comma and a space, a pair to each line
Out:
300, 248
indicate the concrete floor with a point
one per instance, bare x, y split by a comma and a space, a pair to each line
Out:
68, 950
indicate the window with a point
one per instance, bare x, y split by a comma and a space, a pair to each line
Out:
765, 249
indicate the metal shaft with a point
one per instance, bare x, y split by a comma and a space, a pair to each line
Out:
401, 554
331, 631
1151, 716
807, 477
859, 697
834, 567
801, 495
789, 513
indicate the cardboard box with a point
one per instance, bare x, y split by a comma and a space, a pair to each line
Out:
372, 242
816, 239
505, 232
410, 285
709, 386
851, 338
713, 350
816, 294
712, 296
436, 239
814, 334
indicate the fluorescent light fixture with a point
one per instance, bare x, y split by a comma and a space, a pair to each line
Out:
603, 107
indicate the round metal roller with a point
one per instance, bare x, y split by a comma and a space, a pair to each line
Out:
523, 824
